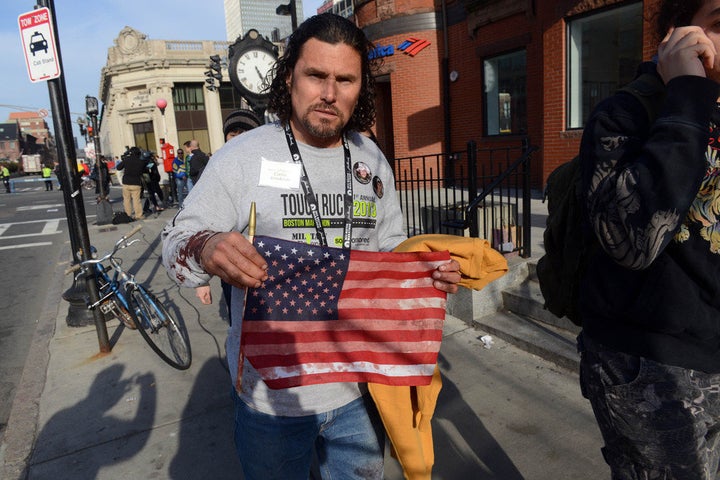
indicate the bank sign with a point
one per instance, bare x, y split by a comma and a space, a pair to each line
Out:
411, 46
38, 43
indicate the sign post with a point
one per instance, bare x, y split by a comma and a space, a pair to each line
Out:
39, 47
38, 30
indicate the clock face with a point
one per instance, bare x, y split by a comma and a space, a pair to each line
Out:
254, 70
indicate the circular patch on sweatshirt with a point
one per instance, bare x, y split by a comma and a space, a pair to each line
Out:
362, 173
378, 187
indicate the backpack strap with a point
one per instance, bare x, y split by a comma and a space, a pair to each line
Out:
649, 89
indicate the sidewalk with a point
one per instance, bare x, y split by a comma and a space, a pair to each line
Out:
502, 413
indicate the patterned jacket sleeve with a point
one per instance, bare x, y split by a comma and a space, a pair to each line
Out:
639, 180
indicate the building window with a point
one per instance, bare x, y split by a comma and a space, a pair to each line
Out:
188, 97
144, 135
504, 98
230, 98
604, 50
190, 114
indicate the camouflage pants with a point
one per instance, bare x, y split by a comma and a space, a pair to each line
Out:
658, 422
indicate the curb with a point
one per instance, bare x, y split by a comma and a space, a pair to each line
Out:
22, 423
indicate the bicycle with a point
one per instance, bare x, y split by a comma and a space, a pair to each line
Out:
122, 297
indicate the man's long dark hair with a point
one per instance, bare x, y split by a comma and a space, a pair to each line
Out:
332, 29
674, 13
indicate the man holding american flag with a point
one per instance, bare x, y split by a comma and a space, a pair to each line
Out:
325, 306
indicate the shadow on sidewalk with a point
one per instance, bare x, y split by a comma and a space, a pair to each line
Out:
206, 448
66, 442
464, 448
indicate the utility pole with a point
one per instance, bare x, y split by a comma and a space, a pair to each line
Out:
72, 195
104, 209
288, 9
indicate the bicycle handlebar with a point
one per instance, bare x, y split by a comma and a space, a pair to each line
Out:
132, 232
72, 269
117, 247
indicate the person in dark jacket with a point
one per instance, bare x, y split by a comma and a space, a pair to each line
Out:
198, 161
151, 184
132, 167
650, 296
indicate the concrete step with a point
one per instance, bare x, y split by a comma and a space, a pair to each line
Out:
554, 344
512, 308
526, 299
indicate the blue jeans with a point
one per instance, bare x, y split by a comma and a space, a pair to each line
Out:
349, 442
180, 188
659, 422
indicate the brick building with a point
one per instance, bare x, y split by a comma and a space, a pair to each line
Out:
31, 123
495, 71
25, 133
9, 143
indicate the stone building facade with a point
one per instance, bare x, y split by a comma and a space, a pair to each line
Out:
139, 72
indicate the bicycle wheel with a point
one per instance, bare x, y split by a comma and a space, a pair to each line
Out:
158, 327
88, 184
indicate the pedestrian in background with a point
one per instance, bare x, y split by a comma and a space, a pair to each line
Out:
180, 174
323, 95
188, 158
168, 160
46, 174
650, 349
151, 183
133, 167
197, 160
5, 175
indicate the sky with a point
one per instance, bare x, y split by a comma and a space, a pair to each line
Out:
86, 29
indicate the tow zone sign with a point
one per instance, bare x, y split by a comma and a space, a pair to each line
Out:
38, 41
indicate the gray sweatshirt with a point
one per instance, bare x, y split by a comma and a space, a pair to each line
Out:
257, 166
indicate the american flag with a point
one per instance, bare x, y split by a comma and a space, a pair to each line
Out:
332, 315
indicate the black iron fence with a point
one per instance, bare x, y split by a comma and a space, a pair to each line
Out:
482, 193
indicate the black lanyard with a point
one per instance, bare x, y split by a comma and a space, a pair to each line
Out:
310, 197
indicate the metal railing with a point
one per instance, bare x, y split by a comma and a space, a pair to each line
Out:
481, 193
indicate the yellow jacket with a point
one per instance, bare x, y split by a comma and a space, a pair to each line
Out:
480, 264
406, 411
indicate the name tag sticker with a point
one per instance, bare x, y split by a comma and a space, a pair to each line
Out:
285, 175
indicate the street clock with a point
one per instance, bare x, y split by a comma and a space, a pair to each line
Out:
252, 59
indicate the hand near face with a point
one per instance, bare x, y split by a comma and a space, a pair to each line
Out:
687, 51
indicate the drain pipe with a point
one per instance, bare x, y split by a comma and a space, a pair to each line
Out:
446, 79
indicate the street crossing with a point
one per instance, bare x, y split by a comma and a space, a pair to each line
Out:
37, 188
29, 229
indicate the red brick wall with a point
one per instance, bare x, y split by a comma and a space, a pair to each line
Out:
466, 56
558, 143
417, 95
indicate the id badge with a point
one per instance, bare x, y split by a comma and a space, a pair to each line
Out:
284, 175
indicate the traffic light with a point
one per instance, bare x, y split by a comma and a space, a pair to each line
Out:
214, 73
